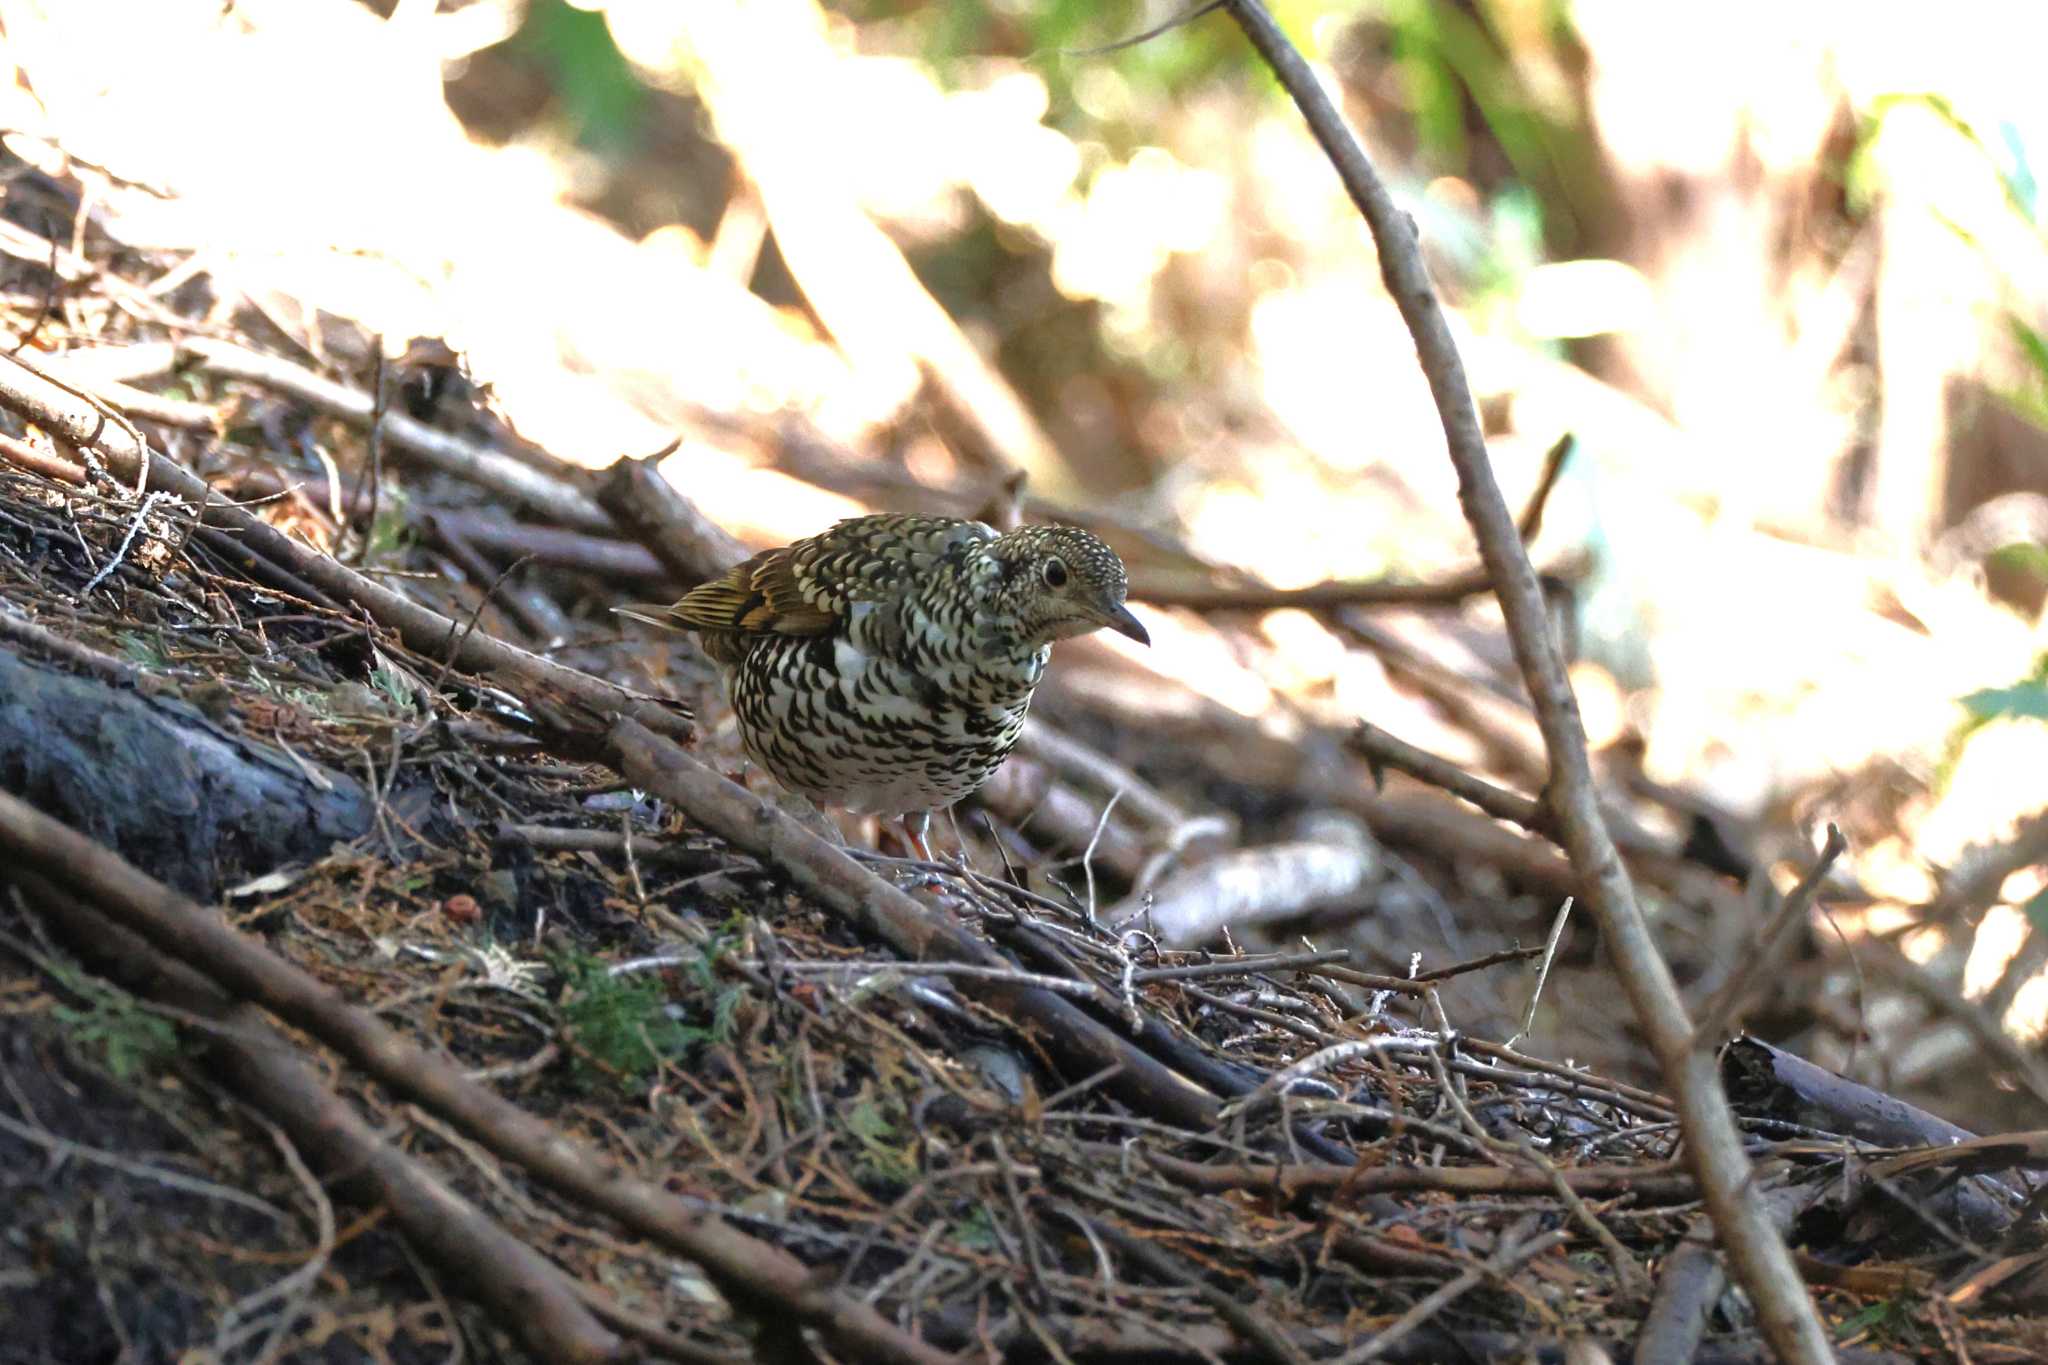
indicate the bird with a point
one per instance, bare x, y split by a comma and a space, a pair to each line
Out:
885, 665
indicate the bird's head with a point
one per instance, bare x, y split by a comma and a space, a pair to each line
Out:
1058, 582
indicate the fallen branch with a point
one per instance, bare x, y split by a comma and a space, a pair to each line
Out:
532, 1298
1253, 886
1718, 1013
1382, 750
681, 538
764, 1280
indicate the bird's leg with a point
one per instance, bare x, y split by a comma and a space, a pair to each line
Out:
908, 829
919, 827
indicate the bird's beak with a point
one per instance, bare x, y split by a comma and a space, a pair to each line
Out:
1122, 622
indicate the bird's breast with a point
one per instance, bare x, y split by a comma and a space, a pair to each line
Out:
882, 730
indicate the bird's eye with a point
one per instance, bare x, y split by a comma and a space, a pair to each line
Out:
1055, 573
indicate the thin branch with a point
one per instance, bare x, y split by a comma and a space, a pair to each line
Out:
1382, 750
1716, 1015
1762, 1262
1564, 913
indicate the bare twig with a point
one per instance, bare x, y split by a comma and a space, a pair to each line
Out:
1242, 966
687, 543
1254, 885
1080, 1044
1718, 1013
1382, 750
373, 465
268, 1072
1649, 1184
1252, 1325
1974, 886
22, 455
1762, 1263
1564, 913
1369, 592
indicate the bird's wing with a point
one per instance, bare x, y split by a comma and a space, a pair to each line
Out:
811, 586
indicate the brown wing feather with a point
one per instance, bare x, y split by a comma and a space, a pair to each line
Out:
760, 597
809, 587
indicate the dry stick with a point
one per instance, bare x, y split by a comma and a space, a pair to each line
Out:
765, 1280
532, 1296
1757, 1250
22, 455
605, 556
1564, 913
1164, 592
1976, 886
1531, 521
1692, 1280
1477, 964
1071, 759
689, 544
1242, 966
1719, 1011
1382, 750
1635, 1281
1943, 998
1650, 1186
428, 632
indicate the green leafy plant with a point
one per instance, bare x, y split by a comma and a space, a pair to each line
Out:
391, 529
142, 651
875, 1123
2026, 699
977, 1231
625, 1026
621, 1025
2005, 153
128, 1038
601, 98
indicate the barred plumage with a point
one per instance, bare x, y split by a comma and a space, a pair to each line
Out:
886, 665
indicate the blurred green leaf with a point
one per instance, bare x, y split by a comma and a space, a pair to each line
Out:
2022, 556
2029, 698
2031, 342
2036, 911
602, 99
